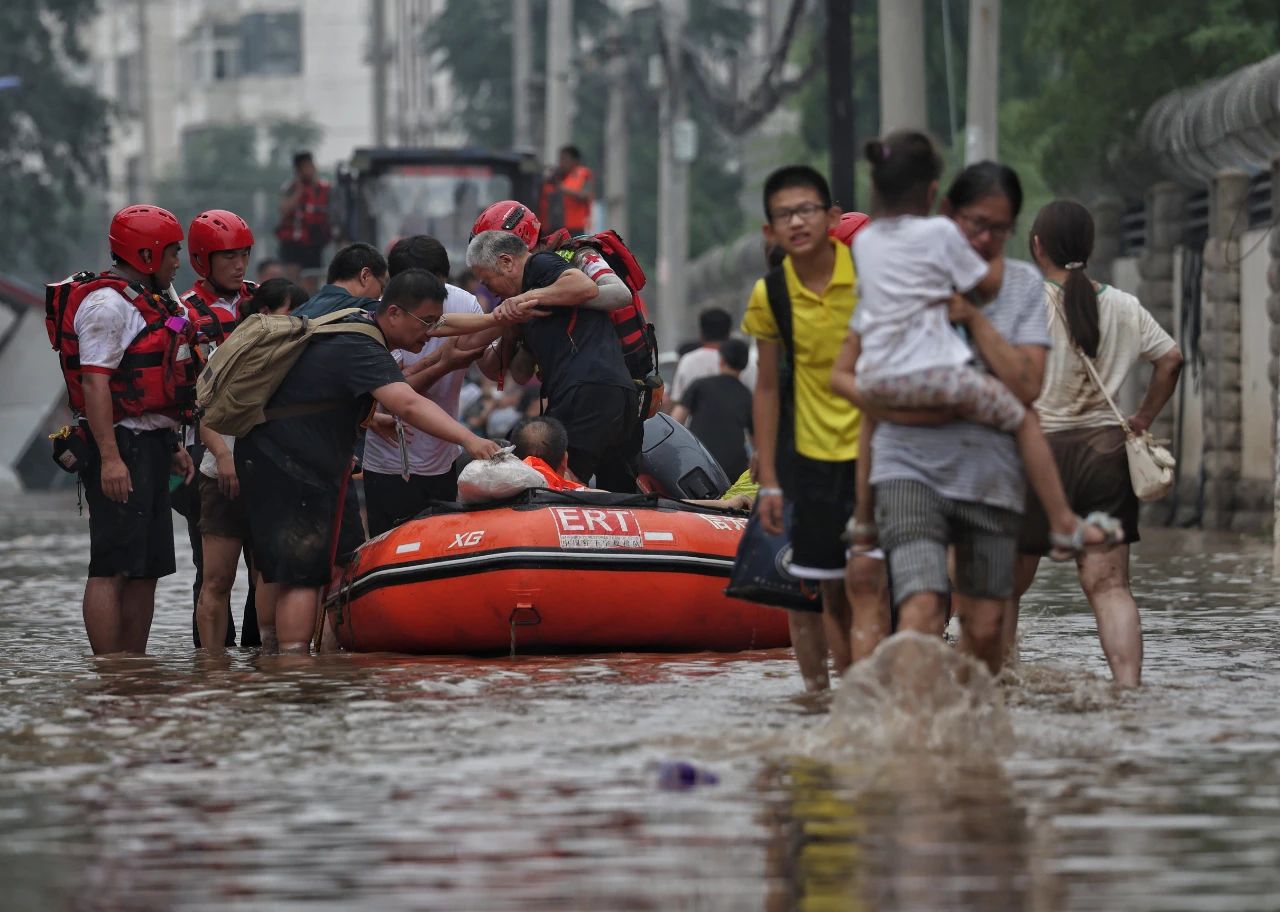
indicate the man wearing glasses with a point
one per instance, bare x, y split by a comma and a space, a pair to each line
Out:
291, 467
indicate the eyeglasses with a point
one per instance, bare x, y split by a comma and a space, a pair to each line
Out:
976, 227
429, 324
804, 210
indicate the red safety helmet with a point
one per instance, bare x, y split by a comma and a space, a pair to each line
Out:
214, 230
850, 224
138, 228
513, 216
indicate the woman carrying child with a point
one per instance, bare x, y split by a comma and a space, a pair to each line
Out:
951, 440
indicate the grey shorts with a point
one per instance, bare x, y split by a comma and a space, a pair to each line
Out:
916, 526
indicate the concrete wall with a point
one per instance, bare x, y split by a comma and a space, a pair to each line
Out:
1257, 458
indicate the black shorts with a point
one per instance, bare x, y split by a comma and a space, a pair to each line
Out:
605, 434
390, 500
291, 522
305, 256
133, 539
1094, 466
822, 495
221, 515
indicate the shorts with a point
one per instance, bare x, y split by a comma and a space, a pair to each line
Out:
916, 526
1094, 466
390, 500
974, 395
605, 434
133, 539
291, 522
221, 515
305, 256
821, 495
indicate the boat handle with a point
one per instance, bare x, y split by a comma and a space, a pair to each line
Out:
523, 615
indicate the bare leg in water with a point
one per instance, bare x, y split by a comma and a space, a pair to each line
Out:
117, 613
810, 645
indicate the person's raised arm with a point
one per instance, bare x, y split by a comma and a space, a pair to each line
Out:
574, 288
399, 399
613, 293
1164, 380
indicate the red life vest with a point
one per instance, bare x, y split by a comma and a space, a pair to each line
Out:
635, 333
308, 223
214, 323
156, 376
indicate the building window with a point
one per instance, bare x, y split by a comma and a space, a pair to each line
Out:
271, 44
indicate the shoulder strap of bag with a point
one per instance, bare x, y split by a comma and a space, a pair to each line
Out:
1093, 372
775, 286
332, 323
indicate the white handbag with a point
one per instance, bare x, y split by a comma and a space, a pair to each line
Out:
1151, 465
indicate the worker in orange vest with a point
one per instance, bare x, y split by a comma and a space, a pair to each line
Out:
567, 194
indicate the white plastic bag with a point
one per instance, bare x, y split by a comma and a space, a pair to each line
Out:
497, 478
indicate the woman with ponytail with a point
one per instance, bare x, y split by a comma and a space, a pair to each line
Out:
1111, 329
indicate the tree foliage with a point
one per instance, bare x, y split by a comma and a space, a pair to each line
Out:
53, 129
1103, 63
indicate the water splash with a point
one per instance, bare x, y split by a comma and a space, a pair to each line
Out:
915, 694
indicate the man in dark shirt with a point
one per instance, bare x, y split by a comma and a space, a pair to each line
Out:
720, 409
576, 349
291, 467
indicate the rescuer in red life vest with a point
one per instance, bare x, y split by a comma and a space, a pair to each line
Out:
125, 348
218, 244
305, 227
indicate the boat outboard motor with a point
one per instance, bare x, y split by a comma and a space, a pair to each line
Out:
675, 464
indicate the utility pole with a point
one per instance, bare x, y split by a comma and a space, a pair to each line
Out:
840, 102
559, 62
677, 144
902, 104
617, 140
378, 58
521, 73
982, 130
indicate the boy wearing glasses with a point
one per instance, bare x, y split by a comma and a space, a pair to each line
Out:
806, 436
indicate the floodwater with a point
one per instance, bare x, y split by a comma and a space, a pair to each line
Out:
383, 782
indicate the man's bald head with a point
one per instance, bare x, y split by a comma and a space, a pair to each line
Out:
544, 437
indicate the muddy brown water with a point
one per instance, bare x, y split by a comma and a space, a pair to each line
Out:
386, 782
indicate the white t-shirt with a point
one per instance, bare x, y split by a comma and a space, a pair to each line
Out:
106, 323
705, 362
427, 455
905, 265
1069, 399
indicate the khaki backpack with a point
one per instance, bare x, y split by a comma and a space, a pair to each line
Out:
245, 371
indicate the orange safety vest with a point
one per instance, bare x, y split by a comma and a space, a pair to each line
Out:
575, 214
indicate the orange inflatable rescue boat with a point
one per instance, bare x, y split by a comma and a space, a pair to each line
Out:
553, 572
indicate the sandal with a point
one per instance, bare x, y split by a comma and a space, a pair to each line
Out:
861, 537
1064, 547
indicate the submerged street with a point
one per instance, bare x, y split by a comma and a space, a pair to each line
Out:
377, 781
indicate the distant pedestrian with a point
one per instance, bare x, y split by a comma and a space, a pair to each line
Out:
567, 194
718, 409
1088, 319
703, 359
305, 227
269, 269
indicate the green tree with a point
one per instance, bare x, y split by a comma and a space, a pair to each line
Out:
1103, 63
53, 129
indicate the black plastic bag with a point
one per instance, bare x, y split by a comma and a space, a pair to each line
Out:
761, 569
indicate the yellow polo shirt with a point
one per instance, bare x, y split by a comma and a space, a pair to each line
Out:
826, 424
